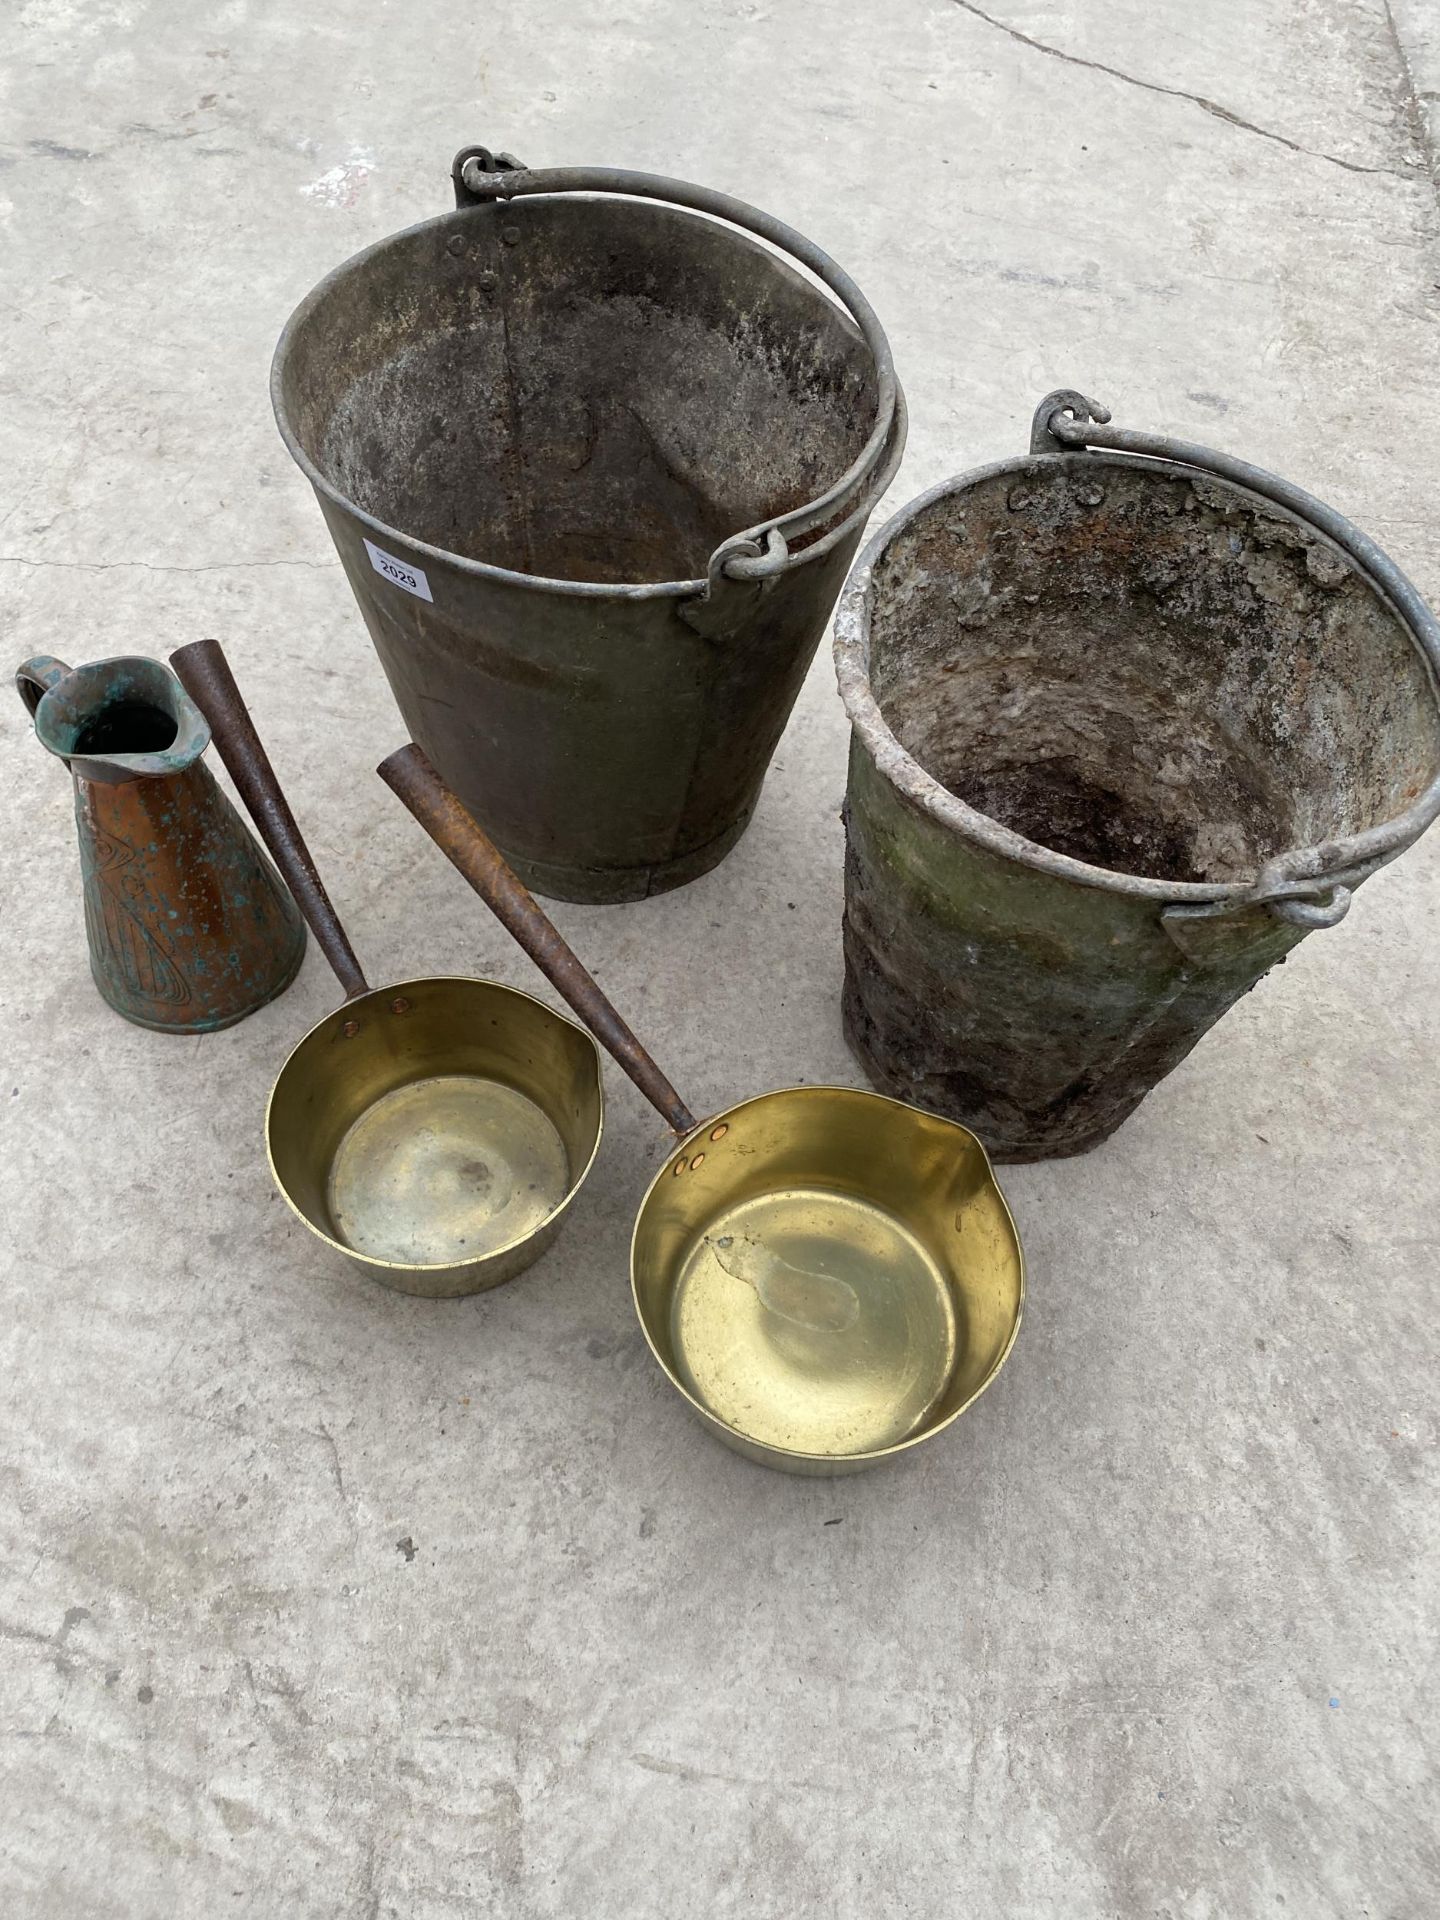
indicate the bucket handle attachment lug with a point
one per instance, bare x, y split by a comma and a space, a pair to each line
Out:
757, 558
1313, 914
1199, 930
1066, 403
730, 594
747, 559
741, 569
478, 174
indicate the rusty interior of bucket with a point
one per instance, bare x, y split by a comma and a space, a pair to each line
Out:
1158, 675
582, 389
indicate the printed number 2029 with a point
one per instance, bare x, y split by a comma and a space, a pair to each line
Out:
398, 573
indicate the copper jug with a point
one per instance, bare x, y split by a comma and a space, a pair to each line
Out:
190, 927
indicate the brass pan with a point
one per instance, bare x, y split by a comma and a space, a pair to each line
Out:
434, 1131
826, 1275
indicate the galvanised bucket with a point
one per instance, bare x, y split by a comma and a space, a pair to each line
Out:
596, 457
1130, 718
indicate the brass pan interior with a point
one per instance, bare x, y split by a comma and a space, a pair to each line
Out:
436, 1130
828, 1276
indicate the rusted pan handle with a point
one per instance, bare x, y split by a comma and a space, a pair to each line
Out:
468, 848
205, 674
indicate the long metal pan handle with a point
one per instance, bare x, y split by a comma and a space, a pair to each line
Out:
1291, 884
205, 674
471, 850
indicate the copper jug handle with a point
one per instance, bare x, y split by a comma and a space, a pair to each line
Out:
204, 672
471, 850
36, 676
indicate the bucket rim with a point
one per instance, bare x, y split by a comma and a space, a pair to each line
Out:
1289, 881
868, 476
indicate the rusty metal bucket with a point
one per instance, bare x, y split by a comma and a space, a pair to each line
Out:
1129, 719
596, 457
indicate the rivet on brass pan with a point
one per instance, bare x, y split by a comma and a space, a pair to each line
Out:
719, 1133
697, 1162
680, 1166
350, 1029
399, 1004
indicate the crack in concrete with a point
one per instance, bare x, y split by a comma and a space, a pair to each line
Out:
152, 566
1415, 99
680, 1770
1212, 107
324, 1434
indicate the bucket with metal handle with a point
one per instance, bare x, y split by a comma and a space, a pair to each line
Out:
596, 450
827, 1276
1129, 718
434, 1131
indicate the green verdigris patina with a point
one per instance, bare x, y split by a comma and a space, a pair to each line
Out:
1037, 1012
190, 928
1123, 733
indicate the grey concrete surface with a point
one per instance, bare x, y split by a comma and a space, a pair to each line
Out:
1153, 1633
1417, 32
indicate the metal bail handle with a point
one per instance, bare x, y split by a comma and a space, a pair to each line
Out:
1310, 887
759, 557
763, 551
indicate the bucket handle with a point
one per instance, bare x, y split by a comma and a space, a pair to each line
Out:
1309, 887
410, 776
762, 552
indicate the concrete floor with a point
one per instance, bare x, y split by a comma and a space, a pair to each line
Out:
1153, 1632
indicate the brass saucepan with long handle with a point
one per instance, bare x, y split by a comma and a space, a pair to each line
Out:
828, 1276
436, 1130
